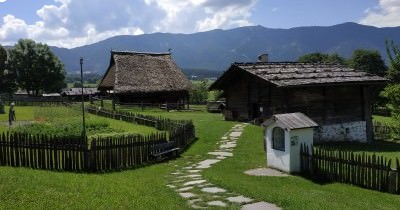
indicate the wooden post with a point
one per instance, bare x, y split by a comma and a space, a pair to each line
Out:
187, 102
392, 181
285, 101
249, 104
113, 103
367, 113
325, 112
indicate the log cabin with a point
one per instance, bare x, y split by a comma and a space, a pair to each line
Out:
151, 78
337, 97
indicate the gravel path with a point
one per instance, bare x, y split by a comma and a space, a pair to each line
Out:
188, 182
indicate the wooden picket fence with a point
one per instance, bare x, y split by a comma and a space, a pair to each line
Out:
43, 152
381, 131
327, 163
182, 132
110, 154
102, 154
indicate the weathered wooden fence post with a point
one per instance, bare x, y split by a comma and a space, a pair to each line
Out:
113, 104
392, 181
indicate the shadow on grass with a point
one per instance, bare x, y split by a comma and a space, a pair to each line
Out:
375, 147
320, 180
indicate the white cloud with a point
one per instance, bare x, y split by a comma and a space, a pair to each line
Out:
71, 23
12, 27
386, 15
226, 15
2, 1
199, 15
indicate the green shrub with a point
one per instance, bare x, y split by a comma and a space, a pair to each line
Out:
66, 128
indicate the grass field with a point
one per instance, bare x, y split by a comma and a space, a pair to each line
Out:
385, 120
388, 149
289, 192
67, 121
144, 188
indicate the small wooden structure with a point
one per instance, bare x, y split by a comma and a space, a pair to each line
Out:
145, 78
284, 133
337, 97
75, 94
215, 106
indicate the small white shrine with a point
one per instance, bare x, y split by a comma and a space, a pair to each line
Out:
284, 133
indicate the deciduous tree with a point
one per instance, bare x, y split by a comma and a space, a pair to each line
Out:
393, 52
7, 78
322, 58
37, 68
369, 61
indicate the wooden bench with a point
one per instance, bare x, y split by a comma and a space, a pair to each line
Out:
164, 150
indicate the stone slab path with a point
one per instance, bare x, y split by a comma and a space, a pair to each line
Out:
188, 182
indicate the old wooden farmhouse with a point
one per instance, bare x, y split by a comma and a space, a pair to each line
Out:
337, 97
136, 77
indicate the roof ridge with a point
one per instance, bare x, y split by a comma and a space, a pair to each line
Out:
287, 63
138, 53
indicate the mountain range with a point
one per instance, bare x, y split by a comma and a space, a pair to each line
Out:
215, 50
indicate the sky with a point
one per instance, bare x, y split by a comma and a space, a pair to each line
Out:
73, 23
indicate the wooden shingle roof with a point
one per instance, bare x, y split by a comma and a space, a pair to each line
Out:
291, 121
293, 74
138, 72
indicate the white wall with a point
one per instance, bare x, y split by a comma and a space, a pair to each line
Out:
275, 158
350, 131
303, 136
288, 160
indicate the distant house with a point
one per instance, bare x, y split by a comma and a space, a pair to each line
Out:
76, 93
136, 77
337, 97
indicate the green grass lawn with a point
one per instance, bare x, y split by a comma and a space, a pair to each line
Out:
57, 118
388, 149
144, 188
384, 120
289, 192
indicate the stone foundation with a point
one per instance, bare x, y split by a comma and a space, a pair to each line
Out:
349, 131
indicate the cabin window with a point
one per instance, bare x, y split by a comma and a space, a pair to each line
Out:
278, 139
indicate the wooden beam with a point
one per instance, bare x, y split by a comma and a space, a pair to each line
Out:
249, 104
325, 111
285, 100
367, 113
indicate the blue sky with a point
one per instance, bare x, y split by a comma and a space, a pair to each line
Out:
71, 23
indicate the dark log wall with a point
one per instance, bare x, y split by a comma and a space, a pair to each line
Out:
324, 104
155, 98
237, 98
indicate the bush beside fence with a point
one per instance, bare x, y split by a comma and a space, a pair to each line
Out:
182, 132
101, 154
37, 101
384, 131
381, 131
368, 171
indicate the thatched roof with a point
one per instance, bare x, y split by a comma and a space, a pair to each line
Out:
294, 74
136, 72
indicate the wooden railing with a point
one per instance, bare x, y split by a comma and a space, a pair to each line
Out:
325, 163
102, 154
